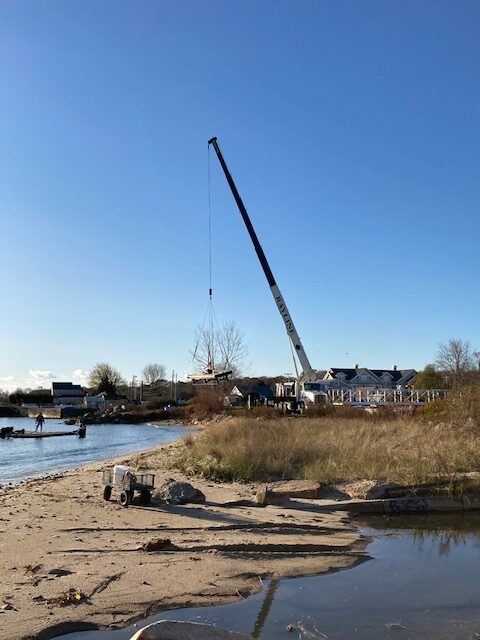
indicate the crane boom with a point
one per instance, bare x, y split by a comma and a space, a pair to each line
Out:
308, 372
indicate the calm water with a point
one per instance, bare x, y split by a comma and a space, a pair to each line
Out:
422, 583
24, 458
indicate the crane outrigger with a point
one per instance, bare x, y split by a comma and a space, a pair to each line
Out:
308, 373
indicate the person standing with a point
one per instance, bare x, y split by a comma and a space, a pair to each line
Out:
39, 420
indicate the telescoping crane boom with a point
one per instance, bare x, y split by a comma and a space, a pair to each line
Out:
308, 372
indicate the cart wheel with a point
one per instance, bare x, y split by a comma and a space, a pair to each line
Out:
145, 497
107, 492
124, 498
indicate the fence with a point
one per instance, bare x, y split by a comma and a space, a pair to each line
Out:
369, 397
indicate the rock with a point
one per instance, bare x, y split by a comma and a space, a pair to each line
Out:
159, 544
174, 492
281, 492
365, 489
266, 496
178, 630
297, 488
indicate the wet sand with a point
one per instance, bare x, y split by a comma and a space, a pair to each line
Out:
58, 534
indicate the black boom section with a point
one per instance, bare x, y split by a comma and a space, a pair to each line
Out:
245, 216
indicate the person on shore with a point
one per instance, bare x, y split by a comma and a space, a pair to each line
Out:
39, 420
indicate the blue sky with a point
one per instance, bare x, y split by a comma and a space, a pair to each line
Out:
350, 127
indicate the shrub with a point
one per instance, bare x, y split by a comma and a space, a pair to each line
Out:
208, 401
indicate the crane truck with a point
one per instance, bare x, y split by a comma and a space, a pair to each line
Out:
304, 390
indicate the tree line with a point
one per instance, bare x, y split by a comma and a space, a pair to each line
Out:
456, 364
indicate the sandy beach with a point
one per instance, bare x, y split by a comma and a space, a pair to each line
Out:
58, 534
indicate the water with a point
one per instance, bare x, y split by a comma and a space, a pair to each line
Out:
27, 458
422, 583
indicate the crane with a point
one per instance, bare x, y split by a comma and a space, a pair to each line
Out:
308, 374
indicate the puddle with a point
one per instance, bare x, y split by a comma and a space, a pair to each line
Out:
423, 582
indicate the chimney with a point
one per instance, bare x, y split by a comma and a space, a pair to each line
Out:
394, 367
355, 366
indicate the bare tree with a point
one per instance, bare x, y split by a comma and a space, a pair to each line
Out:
104, 377
455, 359
233, 348
154, 372
222, 348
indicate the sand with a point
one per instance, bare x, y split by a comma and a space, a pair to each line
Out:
58, 534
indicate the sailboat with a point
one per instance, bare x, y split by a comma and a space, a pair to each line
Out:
205, 352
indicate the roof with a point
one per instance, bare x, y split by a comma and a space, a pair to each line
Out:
66, 386
350, 373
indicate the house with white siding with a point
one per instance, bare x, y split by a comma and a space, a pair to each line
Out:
362, 377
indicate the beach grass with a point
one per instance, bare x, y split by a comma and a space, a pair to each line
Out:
334, 448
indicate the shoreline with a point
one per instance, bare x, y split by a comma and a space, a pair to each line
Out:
71, 538
58, 471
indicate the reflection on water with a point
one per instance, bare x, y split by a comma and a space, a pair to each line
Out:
436, 532
421, 584
264, 609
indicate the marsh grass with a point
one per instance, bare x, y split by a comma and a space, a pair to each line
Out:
331, 449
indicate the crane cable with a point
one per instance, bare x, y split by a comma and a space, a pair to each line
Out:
293, 357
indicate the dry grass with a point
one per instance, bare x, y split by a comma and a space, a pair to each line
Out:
330, 449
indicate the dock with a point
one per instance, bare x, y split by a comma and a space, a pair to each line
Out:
7, 433
41, 434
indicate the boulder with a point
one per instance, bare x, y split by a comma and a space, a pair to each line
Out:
307, 489
178, 630
174, 492
365, 489
281, 492
158, 544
